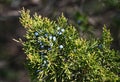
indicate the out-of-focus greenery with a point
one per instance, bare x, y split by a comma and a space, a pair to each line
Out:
82, 21
55, 53
82, 24
112, 3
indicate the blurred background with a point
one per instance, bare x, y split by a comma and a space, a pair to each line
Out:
88, 16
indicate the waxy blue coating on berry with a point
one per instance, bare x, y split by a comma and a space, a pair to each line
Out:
61, 46
36, 33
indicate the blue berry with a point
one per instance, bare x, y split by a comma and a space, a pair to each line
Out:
79, 21
42, 47
54, 38
41, 43
45, 63
49, 48
50, 37
36, 33
38, 71
100, 46
51, 44
61, 46
62, 30
46, 35
59, 33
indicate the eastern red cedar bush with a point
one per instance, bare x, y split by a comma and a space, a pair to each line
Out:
55, 52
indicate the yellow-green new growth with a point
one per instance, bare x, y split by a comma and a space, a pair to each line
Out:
55, 53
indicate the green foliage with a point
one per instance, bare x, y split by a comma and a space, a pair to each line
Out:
55, 53
112, 3
82, 22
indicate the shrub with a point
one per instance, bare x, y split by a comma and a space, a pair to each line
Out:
56, 53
